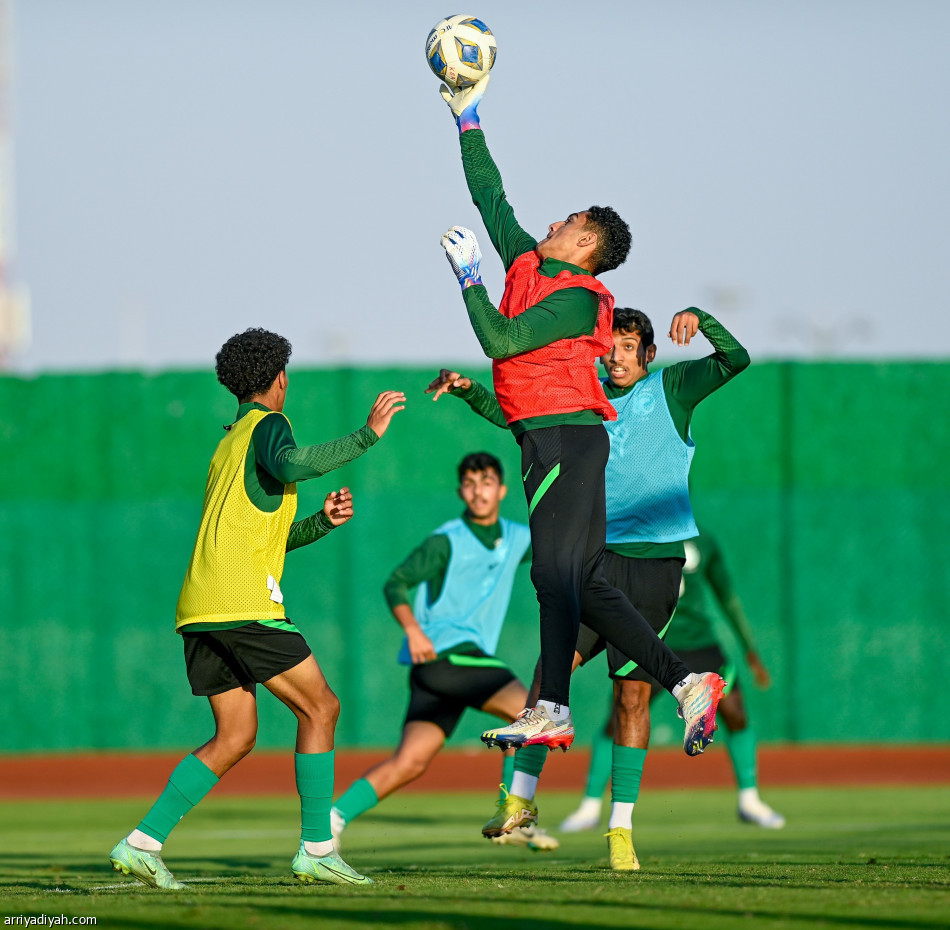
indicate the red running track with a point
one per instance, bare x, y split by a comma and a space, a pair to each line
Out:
118, 775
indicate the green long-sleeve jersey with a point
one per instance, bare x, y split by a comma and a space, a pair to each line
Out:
685, 385
707, 585
566, 314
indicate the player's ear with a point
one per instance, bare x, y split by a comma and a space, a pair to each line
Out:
651, 353
502, 491
281, 380
587, 239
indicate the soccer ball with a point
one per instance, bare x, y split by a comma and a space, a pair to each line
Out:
460, 50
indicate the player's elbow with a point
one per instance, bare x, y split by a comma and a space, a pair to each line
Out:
741, 361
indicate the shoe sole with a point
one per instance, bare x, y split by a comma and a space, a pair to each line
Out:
562, 741
123, 869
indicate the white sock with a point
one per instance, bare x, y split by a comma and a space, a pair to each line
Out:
621, 815
589, 808
555, 712
141, 840
321, 849
748, 796
678, 689
524, 785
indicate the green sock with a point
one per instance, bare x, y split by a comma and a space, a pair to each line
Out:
356, 800
601, 757
507, 770
626, 771
188, 784
531, 759
314, 772
742, 747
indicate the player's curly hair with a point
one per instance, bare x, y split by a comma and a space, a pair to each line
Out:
480, 461
628, 320
613, 238
249, 362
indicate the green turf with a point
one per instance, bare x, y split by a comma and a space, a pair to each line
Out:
848, 858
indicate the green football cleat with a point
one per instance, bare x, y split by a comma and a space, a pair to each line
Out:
623, 857
310, 869
147, 867
511, 812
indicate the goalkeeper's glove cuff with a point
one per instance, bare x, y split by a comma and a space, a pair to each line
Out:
468, 119
469, 281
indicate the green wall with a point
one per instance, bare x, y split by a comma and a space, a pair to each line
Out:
828, 485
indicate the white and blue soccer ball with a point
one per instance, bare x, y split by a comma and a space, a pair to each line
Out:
460, 50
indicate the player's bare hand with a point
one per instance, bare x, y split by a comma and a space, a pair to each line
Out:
685, 325
759, 672
338, 506
420, 647
387, 404
447, 382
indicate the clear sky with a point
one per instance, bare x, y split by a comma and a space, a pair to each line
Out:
188, 168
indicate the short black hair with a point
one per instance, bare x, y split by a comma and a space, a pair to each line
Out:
480, 461
249, 362
613, 238
628, 320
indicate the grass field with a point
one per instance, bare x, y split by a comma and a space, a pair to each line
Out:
865, 857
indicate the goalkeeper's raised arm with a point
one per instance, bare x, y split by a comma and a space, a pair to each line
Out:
483, 177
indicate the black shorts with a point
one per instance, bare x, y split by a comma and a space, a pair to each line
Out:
221, 660
653, 587
440, 691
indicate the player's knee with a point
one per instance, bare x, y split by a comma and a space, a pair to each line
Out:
632, 700
411, 767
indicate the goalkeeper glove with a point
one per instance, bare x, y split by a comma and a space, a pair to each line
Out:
464, 255
464, 103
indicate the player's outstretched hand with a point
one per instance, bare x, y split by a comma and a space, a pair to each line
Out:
464, 255
759, 672
685, 325
383, 410
447, 382
464, 103
338, 506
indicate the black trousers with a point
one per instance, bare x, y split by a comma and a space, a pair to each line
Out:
563, 474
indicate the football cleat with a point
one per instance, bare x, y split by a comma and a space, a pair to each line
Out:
697, 707
146, 866
535, 838
623, 857
311, 869
510, 812
759, 813
532, 727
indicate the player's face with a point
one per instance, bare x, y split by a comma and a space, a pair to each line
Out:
483, 493
561, 241
627, 362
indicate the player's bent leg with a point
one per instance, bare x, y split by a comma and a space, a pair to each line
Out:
305, 691
235, 729
741, 744
420, 743
698, 697
146, 866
